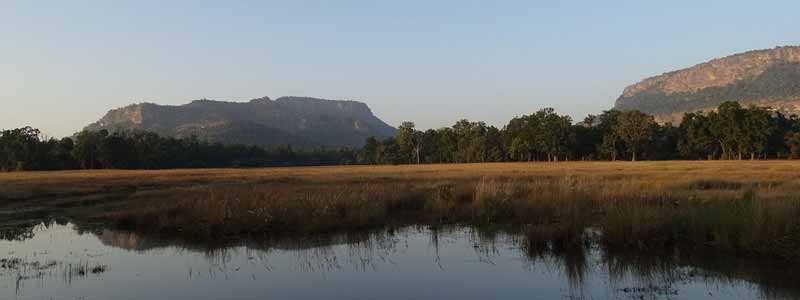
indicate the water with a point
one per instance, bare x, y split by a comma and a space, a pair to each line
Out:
59, 262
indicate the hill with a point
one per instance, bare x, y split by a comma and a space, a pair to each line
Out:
763, 77
297, 121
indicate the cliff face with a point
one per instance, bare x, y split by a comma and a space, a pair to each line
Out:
763, 77
299, 121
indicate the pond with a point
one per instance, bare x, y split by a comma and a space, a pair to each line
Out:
58, 261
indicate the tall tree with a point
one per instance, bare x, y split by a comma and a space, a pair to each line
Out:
603, 131
520, 149
695, 137
519, 136
726, 126
665, 143
369, 152
556, 136
18, 148
447, 145
636, 129
407, 142
793, 142
757, 128
495, 151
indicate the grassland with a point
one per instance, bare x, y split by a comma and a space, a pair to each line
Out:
742, 208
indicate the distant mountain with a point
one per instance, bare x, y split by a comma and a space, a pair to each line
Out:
763, 77
297, 121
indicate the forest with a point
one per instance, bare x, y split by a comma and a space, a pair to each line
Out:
24, 149
732, 132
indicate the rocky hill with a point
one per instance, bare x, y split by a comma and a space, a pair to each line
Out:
297, 121
763, 77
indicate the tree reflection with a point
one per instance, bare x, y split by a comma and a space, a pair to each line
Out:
652, 275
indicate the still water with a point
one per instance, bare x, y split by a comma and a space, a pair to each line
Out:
60, 262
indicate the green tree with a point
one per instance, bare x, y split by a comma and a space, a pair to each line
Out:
404, 139
793, 143
390, 153
493, 138
757, 128
369, 152
726, 126
116, 151
470, 141
18, 148
520, 149
87, 148
430, 144
696, 139
519, 137
555, 137
604, 134
636, 129
665, 143
447, 145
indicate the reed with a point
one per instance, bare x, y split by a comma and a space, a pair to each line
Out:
741, 208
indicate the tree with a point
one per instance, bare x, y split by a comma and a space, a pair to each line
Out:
409, 141
636, 129
519, 137
116, 151
369, 152
555, 137
665, 143
544, 133
726, 126
603, 133
494, 142
695, 138
757, 128
18, 148
793, 142
405, 141
585, 141
447, 145
520, 149
430, 140
610, 146
389, 152
87, 148
470, 141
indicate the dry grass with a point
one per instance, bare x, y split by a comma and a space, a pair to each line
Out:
32, 184
742, 208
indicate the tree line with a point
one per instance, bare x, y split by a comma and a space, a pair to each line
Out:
25, 149
730, 132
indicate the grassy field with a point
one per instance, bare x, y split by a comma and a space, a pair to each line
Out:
743, 208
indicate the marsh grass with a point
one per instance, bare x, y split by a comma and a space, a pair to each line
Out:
554, 211
737, 208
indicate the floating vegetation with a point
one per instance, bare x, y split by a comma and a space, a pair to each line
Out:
24, 270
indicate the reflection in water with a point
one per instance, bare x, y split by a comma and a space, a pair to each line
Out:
414, 262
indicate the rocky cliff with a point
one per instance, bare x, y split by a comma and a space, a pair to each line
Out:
299, 121
763, 77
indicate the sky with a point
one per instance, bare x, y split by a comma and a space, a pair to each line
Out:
64, 64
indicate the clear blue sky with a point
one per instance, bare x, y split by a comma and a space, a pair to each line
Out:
63, 64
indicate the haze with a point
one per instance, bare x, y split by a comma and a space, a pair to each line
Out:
64, 64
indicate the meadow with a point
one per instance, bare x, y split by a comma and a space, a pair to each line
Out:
738, 208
